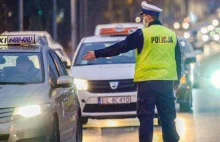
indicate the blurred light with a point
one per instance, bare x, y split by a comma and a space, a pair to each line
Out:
185, 25
186, 35
205, 38
176, 25
111, 123
28, 111
183, 43
9, 14
183, 80
187, 20
204, 30
211, 27
215, 79
216, 37
212, 33
199, 35
81, 84
40, 12
217, 30
61, 14
193, 17
138, 19
215, 22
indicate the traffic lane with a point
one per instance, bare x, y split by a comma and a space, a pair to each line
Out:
200, 126
119, 130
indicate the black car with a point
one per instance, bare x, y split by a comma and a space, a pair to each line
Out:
184, 94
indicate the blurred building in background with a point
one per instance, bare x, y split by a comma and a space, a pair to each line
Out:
89, 13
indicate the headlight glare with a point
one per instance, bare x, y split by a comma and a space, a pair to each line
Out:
28, 111
81, 84
215, 79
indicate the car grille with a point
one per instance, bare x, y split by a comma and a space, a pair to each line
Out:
110, 108
6, 114
103, 86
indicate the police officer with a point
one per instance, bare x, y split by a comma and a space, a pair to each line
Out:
157, 72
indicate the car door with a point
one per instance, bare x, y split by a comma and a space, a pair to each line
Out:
65, 98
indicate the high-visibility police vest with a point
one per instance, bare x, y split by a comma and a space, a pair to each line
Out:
157, 58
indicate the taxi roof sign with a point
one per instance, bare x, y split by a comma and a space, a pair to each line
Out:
19, 39
121, 29
118, 31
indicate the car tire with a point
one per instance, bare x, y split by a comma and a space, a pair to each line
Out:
79, 131
55, 134
84, 120
187, 106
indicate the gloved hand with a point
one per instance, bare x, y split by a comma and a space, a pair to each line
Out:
176, 85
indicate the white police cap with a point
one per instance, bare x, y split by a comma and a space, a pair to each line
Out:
150, 9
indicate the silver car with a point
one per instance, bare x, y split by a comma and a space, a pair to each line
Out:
38, 100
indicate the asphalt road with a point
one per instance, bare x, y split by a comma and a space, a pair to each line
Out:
202, 125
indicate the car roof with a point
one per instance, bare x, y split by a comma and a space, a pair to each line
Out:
103, 39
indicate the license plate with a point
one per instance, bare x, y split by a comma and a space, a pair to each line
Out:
114, 100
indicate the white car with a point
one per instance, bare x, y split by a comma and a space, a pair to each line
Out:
105, 85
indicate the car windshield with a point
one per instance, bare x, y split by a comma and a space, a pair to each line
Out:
124, 58
186, 46
20, 68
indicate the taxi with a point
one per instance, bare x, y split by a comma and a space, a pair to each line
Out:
38, 100
47, 40
105, 85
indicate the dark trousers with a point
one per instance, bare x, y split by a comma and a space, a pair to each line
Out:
159, 94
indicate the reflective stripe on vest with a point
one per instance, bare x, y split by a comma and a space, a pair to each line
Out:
157, 58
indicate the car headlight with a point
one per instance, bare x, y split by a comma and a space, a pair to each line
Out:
81, 84
215, 79
29, 111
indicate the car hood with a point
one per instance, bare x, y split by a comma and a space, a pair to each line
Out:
104, 72
16, 95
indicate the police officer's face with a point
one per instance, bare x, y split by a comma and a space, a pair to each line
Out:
146, 18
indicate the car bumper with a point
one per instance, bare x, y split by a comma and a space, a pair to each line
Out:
36, 129
92, 109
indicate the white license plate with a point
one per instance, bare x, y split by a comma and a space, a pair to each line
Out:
114, 100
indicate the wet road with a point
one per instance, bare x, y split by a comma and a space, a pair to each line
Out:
202, 125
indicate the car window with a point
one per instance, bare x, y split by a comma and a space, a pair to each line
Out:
22, 67
128, 57
61, 69
53, 73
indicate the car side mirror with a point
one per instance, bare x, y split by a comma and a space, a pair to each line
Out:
2, 60
189, 60
66, 64
64, 81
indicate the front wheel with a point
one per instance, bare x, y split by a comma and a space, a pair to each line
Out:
55, 134
187, 106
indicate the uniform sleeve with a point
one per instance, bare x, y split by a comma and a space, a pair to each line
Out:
178, 57
132, 41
